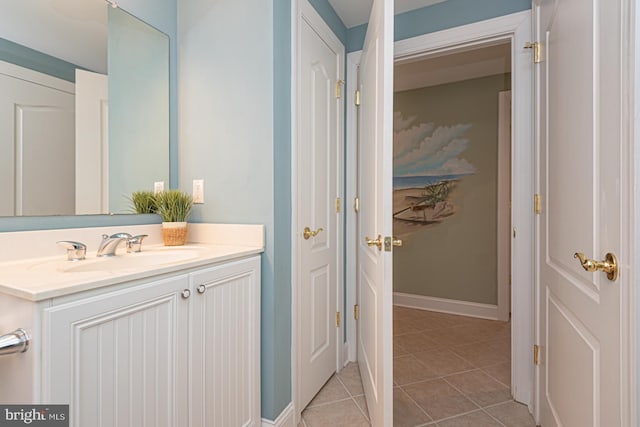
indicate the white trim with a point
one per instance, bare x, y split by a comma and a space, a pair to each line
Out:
285, 419
302, 9
443, 305
36, 77
515, 28
502, 209
351, 250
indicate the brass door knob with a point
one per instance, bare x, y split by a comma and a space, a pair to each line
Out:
609, 265
377, 242
306, 233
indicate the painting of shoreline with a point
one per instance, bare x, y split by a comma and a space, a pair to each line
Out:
428, 167
425, 205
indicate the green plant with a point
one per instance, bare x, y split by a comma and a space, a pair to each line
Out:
174, 205
144, 202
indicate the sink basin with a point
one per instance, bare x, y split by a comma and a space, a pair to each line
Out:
151, 258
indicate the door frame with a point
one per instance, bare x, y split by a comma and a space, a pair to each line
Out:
302, 9
517, 29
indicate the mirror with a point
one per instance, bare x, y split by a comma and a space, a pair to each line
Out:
84, 108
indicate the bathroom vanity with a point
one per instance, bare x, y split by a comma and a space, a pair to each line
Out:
166, 337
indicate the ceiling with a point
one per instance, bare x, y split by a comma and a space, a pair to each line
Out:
461, 65
356, 12
72, 30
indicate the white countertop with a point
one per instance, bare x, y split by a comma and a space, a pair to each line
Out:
37, 279
43, 275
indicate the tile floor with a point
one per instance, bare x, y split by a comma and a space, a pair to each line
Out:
449, 371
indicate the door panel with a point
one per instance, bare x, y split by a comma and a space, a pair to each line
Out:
581, 170
37, 170
319, 69
375, 167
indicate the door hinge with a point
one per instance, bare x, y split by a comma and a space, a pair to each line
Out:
337, 319
356, 312
536, 355
357, 98
338, 205
339, 88
537, 204
537, 51
356, 205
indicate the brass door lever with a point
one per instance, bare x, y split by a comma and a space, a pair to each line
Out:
306, 233
377, 242
609, 265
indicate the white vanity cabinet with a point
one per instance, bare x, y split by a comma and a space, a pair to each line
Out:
178, 350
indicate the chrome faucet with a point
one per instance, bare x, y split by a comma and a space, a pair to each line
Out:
110, 243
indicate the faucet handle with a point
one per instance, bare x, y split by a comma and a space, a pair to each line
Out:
134, 244
76, 251
119, 235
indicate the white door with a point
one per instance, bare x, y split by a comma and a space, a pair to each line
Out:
321, 66
37, 172
92, 143
585, 182
375, 170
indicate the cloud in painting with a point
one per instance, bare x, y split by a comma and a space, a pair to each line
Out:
424, 150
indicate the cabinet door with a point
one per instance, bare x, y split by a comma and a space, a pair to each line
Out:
225, 387
120, 358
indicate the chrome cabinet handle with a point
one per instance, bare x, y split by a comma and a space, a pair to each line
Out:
306, 233
609, 265
201, 289
186, 293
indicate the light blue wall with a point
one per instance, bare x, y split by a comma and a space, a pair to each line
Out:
235, 134
138, 108
440, 16
162, 15
23, 56
329, 15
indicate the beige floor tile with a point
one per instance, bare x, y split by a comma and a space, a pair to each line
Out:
439, 399
443, 362
480, 387
512, 414
407, 369
474, 419
449, 337
332, 391
404, 326
480, 355
350, 377
405, 412
501, 372
338, 414
361, 401
415, 343
398, 350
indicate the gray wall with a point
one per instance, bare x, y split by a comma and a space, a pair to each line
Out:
457, 258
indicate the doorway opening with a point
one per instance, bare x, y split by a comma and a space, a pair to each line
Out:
451, 208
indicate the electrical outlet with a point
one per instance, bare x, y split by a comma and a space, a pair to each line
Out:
198, 191
158, 187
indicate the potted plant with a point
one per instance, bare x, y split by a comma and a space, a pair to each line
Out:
144, 202
174, 206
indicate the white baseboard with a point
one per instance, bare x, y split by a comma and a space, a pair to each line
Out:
285, 419
443, 305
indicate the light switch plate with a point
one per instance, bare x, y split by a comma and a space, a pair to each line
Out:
198, 191
158, 187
